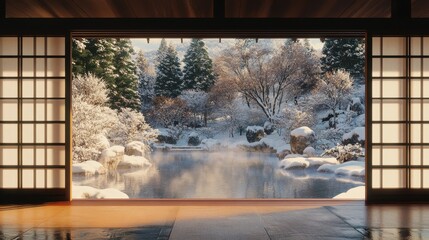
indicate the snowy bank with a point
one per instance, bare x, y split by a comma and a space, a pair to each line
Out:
351, 168
90, 167
353, 193
86, 192
134, 162
297, 161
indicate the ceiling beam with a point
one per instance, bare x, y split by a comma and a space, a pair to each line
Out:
401, 9
219, 8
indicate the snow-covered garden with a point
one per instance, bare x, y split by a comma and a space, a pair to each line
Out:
284, 98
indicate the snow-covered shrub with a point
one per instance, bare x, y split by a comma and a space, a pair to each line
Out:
90, 123
268, 127
132, 126
293, 117
194, 139
344, 153
89, 89
328, 138
357, 106
254, 133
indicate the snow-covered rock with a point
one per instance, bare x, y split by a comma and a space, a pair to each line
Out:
90, 167
350, 168
254, 133
298, 161
309, 152
194, 139
353, 193
135, 148
210, 144
134, 162
292, 163
300, 138
268, 128
357, 135
166, 136
102, 142
111, 157
87, 192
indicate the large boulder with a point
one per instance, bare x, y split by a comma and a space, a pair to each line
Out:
300, 138
254, 133
111, 157
135, 148
357, 135
309, 152
194, 139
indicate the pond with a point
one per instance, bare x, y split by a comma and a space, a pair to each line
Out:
221, 175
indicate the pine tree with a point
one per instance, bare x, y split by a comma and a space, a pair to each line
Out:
109, 59
123, 93
146, 81
344, 53
198, 70
168, 75
161, 52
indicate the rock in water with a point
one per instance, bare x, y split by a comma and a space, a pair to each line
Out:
135, 148
254, 133
194, 139
300, 138
111, 157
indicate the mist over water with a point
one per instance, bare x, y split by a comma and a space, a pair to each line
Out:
220, 175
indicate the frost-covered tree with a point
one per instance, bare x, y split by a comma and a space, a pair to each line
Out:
161, 52
268, 78
332, 89
169, 75
198, 71
344, 53
197, 102
146, 81
169, 111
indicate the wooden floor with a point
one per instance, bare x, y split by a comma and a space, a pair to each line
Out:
214, 220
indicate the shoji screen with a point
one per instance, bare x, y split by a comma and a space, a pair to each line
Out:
33, 113
400, 113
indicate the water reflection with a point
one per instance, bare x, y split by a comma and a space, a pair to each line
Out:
220, 175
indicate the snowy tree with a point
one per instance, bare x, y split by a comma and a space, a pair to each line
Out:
268, 78
109, 59
198, 71
124, 91
168, 75
161, 52
169, 111
344, 53
332, 89
197, 102
146, 81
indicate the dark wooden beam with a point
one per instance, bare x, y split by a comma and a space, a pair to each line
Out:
2, 9
401, 9
219, 8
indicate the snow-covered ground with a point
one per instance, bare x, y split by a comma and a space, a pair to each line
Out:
86, 192
356, 193
298, 161
351, 168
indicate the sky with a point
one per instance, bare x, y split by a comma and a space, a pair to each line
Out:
142, 44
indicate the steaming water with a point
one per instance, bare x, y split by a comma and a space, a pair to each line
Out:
221, 175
